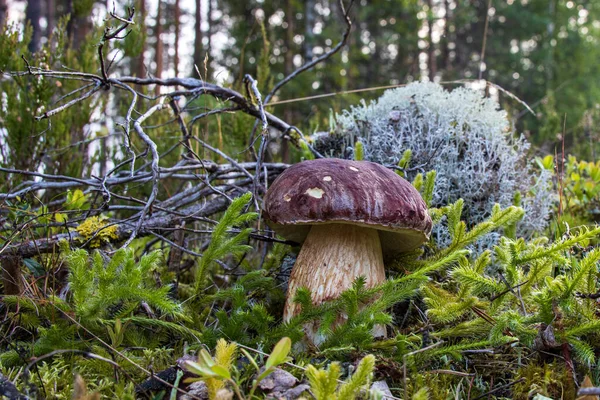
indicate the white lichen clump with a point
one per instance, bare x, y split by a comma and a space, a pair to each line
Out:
462, 135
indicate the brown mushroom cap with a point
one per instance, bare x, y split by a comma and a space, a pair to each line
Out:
363, 193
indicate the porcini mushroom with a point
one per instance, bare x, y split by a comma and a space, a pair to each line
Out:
348, 215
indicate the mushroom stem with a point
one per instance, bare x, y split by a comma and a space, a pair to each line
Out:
331, 258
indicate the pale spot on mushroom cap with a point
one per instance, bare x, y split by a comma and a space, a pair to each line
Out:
327, 178
286, 198
354, 169
315, 192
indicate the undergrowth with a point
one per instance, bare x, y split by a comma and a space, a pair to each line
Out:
499, 317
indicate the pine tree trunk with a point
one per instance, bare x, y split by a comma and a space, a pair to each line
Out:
198, 57
309, 23
209, 34
32, 15
431, 61
140, 66
78, 27
176, 44
50, 16
159, 45
549, 67
3, 12
445, 50
290, 18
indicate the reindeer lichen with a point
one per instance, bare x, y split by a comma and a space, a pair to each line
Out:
460, 134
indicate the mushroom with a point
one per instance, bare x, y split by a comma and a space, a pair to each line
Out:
348, 215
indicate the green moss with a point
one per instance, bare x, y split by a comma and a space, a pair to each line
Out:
551, 380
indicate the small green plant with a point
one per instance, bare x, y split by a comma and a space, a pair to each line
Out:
214, 371
324, 383
306, 153
105, 295
219, 370
404, 162
359, 153
537, 293
120, 284
579, 190
222, 243
246, 312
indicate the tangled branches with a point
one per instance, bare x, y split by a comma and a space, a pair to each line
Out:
151, 189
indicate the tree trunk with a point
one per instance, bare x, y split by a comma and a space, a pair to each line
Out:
50, 16
11, 274
445, 50
140, 66
431, 62
78, 27
198, 57
3, 12
32, 15
309, 23
159, 45
549, 67
209, 34
463, 49
288, 68
176, 44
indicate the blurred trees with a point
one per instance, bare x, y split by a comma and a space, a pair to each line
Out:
3, 9
543, 51
540, 50
33, 15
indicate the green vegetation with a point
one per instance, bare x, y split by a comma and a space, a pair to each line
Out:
519, 298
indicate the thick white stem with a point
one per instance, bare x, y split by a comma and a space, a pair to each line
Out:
331, 258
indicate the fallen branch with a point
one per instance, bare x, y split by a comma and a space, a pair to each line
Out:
154, 168
36, 247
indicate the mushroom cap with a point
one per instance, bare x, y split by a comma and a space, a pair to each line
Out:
331, 190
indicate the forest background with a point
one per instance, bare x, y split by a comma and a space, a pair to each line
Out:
543, 52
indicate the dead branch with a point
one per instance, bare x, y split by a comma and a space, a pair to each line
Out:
193, 204
219, 171
155, 223
591, 391
154, 168
205, 187
110, 35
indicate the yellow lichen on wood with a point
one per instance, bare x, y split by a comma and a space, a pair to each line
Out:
97, 230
